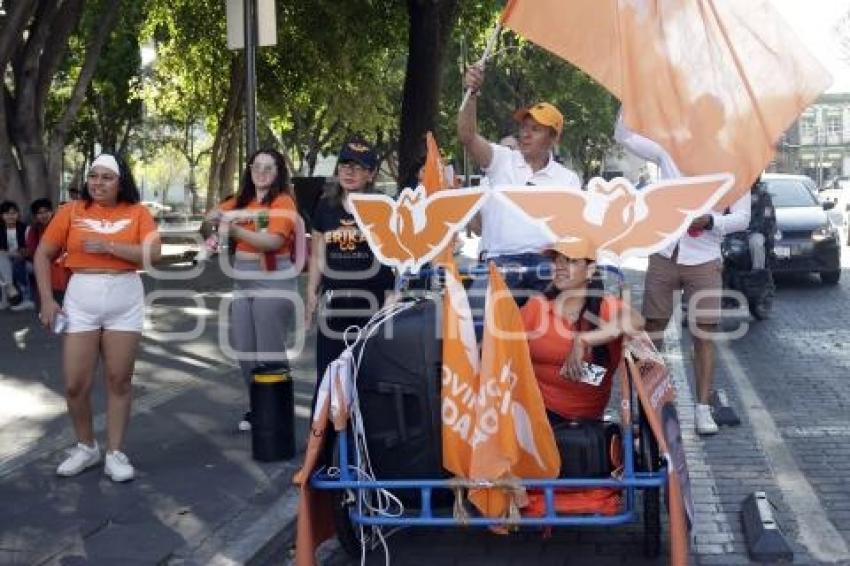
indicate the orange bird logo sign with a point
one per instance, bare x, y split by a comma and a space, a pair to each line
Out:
409, 232
620, 220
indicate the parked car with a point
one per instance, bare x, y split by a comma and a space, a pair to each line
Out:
156, 209
807, 241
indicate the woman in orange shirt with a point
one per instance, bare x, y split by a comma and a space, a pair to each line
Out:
108, 236
562, 337
262, 220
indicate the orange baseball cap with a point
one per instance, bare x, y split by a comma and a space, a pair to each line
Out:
544, 113
573, 248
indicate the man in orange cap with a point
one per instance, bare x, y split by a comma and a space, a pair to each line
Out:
508, 236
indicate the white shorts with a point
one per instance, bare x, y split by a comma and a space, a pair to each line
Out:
95, 301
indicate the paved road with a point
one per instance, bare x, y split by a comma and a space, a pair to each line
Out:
788, 380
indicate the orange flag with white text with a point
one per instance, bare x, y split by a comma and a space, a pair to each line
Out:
460, 375
715, 83
512, 437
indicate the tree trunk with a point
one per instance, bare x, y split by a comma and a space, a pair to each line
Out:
11, 185
226, 134
30, 166
53, 169
231, 163
431, 23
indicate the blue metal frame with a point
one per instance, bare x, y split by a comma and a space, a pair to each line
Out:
424, 516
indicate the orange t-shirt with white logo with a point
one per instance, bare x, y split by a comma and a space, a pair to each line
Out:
278, 217
123, 223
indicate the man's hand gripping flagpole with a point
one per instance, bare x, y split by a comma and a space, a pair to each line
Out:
491, 42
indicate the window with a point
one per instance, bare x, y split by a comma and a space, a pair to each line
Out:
807, 127
834, 126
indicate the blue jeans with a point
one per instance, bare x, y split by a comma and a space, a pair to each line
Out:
21, 277
524, 285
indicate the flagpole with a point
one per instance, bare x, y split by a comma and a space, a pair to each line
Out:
491, 42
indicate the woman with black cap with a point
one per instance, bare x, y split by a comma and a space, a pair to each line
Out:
346, 283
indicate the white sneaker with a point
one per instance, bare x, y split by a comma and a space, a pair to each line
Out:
25, 305
245, 423
704, 420
118, 466
79, 458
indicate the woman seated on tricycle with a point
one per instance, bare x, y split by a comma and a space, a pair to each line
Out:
574, 324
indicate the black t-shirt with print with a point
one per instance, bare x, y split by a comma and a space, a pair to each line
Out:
350, 263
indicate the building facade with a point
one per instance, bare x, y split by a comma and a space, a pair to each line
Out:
818, 143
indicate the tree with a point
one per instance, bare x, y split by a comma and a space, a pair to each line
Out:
430, 27
345, 79
196, 81
111, 114
33, 43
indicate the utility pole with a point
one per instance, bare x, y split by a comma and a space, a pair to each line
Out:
250, 22
462, 65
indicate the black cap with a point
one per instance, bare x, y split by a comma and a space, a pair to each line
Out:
359, 151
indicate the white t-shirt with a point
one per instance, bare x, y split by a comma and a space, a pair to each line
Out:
693, 250
505, 229
12, 239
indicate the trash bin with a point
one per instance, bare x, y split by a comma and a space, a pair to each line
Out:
272, 414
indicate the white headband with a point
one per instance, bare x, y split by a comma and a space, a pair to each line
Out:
106, 160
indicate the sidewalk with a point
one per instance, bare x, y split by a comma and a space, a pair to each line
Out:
198, 497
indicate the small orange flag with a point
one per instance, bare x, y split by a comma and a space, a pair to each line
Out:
460, 375
512, 437
433, 179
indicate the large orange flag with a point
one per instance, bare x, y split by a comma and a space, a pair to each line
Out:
715, 83
460, 375
512, 437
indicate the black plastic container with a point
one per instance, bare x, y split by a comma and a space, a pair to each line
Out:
272, 414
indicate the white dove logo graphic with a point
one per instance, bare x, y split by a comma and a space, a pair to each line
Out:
103, 226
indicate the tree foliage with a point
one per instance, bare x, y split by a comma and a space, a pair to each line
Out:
385, 69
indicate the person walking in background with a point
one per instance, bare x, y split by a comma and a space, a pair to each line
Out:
344, 274
261, 219
762, 228
693, 265
14, 276
108, 236
508, 237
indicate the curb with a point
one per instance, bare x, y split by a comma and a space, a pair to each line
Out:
270, 536
260, 533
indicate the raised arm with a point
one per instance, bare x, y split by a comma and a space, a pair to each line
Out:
467, 120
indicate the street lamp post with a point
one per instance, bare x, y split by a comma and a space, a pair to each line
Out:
250, 76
